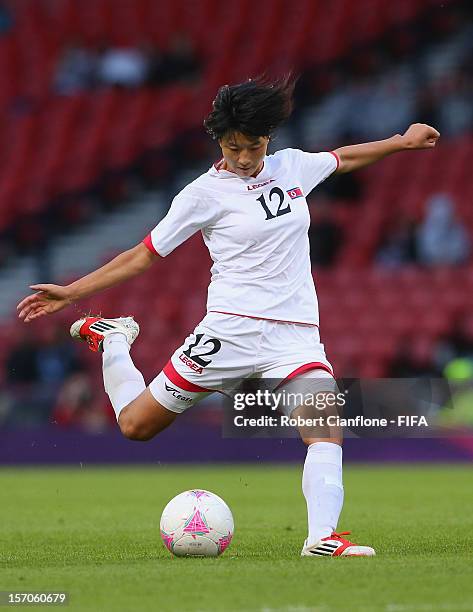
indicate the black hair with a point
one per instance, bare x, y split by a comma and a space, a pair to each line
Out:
255, 108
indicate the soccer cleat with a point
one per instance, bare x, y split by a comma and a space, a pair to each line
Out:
336, 546
93, 330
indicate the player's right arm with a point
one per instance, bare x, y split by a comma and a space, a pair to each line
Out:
52, 298
188, 213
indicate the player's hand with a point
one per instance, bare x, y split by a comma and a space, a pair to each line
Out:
420, 136
49, 299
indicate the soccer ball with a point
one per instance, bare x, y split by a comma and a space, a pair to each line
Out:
196, 523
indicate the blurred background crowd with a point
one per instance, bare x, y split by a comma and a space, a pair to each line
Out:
101, 110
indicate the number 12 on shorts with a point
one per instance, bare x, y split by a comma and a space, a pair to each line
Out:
215, 344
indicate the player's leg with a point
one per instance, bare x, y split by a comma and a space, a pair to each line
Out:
322, 477
297, 358
143, 412
322, 482
139, 415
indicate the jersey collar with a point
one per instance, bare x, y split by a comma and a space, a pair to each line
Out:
217, 171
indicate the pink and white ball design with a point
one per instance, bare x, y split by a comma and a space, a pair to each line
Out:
197, 523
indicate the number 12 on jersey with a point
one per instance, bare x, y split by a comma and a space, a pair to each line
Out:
279, 193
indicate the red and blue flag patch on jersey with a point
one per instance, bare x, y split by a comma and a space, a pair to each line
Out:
295, 192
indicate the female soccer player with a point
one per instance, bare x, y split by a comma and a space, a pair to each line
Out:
262, 312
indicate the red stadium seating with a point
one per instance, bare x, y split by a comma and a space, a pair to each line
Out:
63, 144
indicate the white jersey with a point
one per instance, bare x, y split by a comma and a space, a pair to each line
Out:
256, 231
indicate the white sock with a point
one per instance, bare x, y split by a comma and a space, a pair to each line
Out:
123, 382
323, 488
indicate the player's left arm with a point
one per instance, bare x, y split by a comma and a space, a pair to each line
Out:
417, 136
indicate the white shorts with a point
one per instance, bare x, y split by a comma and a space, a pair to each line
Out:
225, 349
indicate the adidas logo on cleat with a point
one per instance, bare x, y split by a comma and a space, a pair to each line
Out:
101, 326
325, 549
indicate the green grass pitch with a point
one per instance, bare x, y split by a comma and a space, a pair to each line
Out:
93, 532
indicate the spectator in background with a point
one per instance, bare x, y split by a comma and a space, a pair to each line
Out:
426, 106
457, 413
325, 235
77, 407
23, 402
6, 19
21, 362
413, 359
123, 67
178, 64
399, 247
455, 108
375, 109
76, 70
56, 358
36, 369
457, 344
347, 187
442, 239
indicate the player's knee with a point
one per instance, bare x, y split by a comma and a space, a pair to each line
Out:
134, 429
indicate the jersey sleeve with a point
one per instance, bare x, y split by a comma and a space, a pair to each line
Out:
314, 168
188, 214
